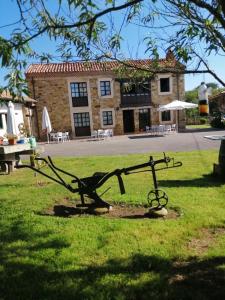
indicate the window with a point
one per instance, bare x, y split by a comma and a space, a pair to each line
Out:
79, 94
81, 119
166, 116
105, 88
107, 118
1, 121
78, 89
165, 85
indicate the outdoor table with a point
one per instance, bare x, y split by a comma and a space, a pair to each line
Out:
10, 154
219, 169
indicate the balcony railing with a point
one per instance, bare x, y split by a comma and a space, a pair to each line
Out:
135, 100
79, 101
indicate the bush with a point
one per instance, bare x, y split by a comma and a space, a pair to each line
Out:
216, 121
202, 121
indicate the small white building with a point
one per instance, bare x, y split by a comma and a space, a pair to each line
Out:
24, 113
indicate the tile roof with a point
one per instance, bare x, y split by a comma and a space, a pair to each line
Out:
5, 95
51, 69
217, 96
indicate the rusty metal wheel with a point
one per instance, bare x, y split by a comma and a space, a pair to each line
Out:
157, 198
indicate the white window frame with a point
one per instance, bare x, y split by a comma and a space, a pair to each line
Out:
111, 87
113, 118
170, 84
166, 122
81, 108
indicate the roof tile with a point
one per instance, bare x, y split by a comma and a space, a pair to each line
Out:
91, 66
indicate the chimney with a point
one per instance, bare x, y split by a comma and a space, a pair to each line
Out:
170, 55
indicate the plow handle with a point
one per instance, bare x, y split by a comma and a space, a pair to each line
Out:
121, 185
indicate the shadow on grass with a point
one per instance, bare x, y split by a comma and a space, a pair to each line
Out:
139, 277
205, 181
35, 269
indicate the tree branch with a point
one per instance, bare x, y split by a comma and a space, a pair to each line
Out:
78, 24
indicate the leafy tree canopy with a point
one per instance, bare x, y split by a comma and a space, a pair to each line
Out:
89, 29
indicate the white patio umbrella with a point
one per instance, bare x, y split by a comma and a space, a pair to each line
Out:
46, 123
11, 122
177, 105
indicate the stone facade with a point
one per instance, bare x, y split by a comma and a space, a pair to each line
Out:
54, 92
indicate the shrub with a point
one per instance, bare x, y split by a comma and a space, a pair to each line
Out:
202, 121
216, 121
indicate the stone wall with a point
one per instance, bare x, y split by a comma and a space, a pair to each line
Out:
52, 93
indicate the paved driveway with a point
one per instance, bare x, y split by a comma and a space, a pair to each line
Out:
187, 141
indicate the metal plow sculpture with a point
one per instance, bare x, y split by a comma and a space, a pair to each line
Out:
87, 187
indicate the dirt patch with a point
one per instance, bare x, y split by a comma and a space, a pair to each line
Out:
41, 184
207, 237
68, 208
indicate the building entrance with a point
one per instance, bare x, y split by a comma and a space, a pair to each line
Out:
128, 121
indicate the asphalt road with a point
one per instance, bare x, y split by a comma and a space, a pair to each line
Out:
187, 141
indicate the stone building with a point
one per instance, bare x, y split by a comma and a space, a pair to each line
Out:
24, 113
217, 103
86, 96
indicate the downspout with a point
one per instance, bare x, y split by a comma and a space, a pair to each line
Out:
36, 114
178, 89
178, 98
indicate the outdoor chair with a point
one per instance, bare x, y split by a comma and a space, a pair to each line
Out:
167, 129
54, 137
60, 136
94, 134
101, 133
173, 128
162, 129
65, 136
147, 129
108, 133
154, 129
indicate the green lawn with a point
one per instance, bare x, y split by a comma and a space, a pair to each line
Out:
201, 126
94, 257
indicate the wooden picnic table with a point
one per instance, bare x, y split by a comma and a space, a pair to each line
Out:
10, 155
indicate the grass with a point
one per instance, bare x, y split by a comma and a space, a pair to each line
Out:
200, 126
89, 257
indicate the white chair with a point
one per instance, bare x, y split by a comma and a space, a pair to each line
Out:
173, 128
54, 137
161, 129
94, 134
101, 133
147, 129
65, 136
155, 129
59, 137
108, 133
167, 129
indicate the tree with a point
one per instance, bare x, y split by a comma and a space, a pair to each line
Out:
88, 29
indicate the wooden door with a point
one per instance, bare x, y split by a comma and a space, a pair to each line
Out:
82, 124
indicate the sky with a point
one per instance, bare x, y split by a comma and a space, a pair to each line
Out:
131, 38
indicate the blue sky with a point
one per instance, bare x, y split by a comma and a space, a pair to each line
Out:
132, 36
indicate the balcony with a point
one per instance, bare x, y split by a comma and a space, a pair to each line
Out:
135, 100
80, 101
138, 94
